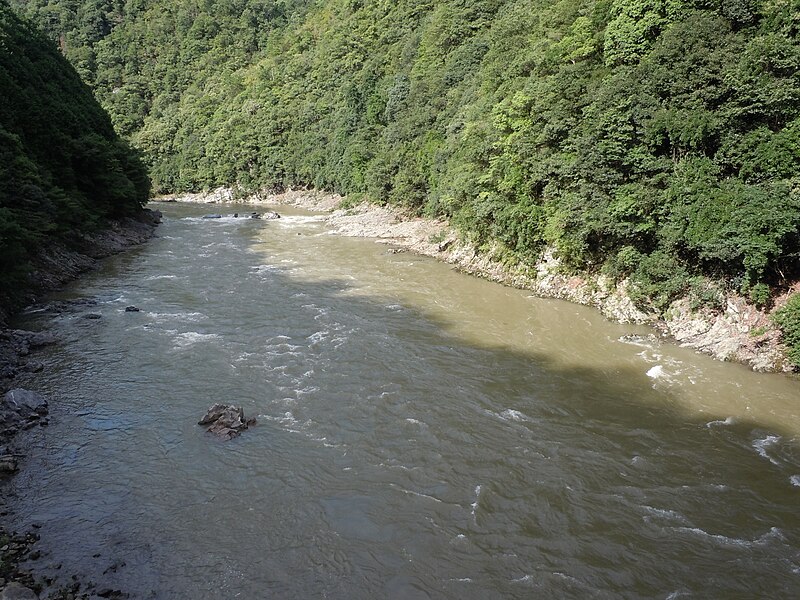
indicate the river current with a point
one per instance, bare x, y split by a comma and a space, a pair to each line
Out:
421, 434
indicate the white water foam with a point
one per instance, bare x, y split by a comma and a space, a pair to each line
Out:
189, 338
763, 444
656, 372
477, 500
664, 513
795, 480
514, 415
727, 421
773, 534
413, 493
192, 317
643, 341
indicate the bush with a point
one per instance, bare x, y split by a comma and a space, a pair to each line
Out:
788, 319
658, 280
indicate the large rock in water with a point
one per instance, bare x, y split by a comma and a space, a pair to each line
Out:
226, 421
21, 408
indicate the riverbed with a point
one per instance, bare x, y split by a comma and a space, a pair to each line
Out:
421, 434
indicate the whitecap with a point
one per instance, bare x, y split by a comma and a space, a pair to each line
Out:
664, 513
643, 341
413, 493
513, 415
188, 338
761, 445
773, 533
477, 499
656, 372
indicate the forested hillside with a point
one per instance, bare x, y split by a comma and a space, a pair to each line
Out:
657, 139
63, 169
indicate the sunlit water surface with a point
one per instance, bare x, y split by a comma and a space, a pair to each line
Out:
421, 434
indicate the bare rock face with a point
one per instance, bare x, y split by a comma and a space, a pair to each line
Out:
226, 421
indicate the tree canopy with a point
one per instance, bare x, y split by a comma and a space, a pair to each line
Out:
656, 139
63, 169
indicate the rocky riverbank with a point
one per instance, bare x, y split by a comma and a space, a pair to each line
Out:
54, 267
738, 332
22, 409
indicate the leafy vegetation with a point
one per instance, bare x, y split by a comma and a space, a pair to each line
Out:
63, 169
655, 139
788, 319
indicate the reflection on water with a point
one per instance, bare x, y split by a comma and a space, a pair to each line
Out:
422, 434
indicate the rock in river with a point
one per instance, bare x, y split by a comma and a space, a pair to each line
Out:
226, 421
22, 405
17, 591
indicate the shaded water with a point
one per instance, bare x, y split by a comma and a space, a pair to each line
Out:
422, 434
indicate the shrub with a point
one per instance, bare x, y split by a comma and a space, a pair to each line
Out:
788, 319
658, 280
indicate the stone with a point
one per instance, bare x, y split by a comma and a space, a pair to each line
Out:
271, 214
25, 403
34, 366
92, 316
131, 309
213, 216
20, 409
35, 339
226, 421
255, 215
8, 465
17, 591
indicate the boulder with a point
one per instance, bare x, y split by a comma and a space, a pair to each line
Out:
255, 215
226, 421
25, 404
17, 591
131, 309
213, 216
21, 409
35, 339
8, 465
270, 214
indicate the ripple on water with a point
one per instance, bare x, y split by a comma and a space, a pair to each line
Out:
189, 338
763, 445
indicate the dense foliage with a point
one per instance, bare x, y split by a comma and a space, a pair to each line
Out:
788, 319
63, 169
657, 139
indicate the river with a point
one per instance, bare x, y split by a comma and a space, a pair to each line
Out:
421, 434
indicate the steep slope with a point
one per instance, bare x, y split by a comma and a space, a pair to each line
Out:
63, 169
651, 139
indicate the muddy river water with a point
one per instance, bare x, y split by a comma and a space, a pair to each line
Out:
421, 434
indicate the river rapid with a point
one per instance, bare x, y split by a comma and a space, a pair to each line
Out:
421, 434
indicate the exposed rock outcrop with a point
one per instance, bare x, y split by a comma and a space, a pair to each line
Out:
226, 421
